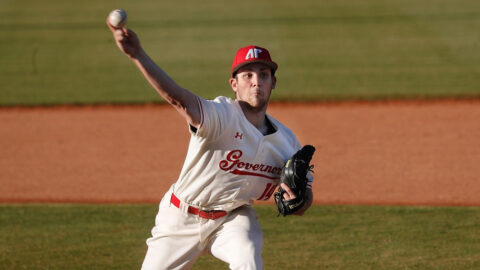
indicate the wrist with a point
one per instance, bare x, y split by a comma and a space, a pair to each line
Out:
139, 55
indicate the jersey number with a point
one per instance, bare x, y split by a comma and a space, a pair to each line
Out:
269, 189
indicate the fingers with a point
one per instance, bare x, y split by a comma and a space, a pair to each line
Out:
116, 30
126, 40
119, 35
110, 26
288, 195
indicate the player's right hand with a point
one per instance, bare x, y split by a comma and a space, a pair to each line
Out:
126, 40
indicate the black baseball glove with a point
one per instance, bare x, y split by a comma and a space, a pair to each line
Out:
294, 175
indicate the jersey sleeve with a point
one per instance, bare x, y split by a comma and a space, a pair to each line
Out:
215, 117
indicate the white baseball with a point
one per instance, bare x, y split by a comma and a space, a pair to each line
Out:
117, 18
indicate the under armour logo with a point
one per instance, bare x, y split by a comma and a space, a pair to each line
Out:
253, 53
239, 135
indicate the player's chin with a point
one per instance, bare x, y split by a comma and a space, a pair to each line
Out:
258, 102
259, 106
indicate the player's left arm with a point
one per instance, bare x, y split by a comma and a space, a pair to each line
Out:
289, 195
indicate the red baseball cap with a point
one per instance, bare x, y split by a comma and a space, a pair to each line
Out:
252, 54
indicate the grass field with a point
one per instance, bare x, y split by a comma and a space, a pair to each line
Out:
330, 237
56, 51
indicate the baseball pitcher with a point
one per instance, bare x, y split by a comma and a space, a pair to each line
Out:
236, 155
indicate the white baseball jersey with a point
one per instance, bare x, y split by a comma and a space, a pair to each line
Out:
229, 161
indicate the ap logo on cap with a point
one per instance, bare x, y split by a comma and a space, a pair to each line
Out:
253, 53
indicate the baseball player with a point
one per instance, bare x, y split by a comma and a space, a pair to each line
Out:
235, 156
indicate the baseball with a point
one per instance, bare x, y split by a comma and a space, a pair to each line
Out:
117, 18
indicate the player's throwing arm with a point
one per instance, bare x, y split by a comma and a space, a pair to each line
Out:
128, 42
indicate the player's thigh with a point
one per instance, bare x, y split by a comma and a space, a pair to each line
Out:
174, 243
239, 240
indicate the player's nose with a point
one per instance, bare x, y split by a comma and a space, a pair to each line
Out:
255, 79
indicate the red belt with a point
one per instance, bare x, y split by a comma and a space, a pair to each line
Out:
213, 214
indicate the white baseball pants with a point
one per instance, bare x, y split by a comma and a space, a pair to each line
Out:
179, 238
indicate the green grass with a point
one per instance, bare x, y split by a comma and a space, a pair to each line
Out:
56, 51
56, 236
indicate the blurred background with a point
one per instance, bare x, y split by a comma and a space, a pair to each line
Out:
57, 52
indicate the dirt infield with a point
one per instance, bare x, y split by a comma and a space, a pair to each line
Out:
418, 152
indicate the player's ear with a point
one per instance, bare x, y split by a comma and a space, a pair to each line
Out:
274, 82
234, 84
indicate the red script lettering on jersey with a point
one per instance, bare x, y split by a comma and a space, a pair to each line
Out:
233, 164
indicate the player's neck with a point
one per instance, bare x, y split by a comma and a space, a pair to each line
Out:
257, 117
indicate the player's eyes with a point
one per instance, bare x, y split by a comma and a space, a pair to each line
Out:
261, 75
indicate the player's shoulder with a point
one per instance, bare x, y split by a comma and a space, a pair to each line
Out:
290, 142
283, 129
220, 108
218, 104
279, 124
223, 100
217, 115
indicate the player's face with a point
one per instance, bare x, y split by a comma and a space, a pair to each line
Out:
253, 85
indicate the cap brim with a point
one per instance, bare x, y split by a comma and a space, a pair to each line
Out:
270, 64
